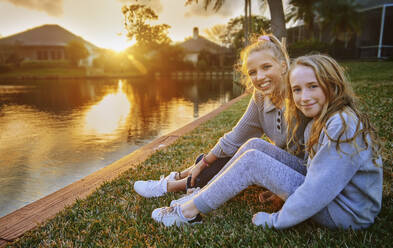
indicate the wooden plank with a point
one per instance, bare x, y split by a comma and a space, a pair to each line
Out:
26, 218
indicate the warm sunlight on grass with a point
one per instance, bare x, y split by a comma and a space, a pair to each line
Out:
115, 216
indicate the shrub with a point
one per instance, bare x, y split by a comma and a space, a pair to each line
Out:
299, 48
5, 68
45, 64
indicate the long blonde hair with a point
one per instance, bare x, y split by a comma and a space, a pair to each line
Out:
339, 97
271, 43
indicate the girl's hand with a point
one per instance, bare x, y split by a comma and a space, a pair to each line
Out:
200, 166
262, 219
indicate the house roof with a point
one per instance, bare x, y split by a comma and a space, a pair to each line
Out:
45, 35
196, 45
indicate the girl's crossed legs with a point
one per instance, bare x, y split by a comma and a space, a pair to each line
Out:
257, 162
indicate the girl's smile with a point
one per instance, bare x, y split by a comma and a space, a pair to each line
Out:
265, 71
307, 93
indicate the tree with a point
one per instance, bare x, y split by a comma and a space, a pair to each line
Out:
234, 35
304, 10
137, 18
276, 13
15, 59
247, 21
11, 54
217, 5
247, 14
169, 58
341, 18
207, 60
76, 51
216, 32
277, 18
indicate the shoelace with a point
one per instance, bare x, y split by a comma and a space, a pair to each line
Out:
152, 180
161, 177
166, 210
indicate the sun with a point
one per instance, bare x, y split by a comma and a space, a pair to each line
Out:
120, 44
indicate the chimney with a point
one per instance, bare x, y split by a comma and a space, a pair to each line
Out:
195, 33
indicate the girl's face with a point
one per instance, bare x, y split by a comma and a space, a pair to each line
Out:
265, 71
306, 91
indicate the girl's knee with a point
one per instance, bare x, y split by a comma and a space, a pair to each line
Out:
249, 157
255, 143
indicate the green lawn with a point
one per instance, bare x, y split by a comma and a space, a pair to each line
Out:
115, 216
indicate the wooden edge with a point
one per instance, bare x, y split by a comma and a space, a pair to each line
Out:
28, 217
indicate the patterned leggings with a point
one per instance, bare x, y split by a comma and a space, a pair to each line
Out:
257, 162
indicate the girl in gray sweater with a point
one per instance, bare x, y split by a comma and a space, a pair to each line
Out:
265, 63
342, 187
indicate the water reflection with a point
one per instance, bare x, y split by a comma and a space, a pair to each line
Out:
53, 133
109, 114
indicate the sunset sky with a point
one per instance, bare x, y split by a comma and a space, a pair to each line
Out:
101, 21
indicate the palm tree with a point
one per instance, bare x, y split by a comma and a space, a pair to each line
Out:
276, 13
341, 18
303, 10
277, 18
234, 32
215, 33
247, 21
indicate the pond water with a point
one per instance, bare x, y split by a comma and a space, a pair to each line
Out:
53, 133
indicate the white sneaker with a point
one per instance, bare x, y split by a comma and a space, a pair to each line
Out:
170, 216
185, 198
153, 188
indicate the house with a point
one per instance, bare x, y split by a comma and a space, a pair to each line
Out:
375, 39
44, 43
199, 44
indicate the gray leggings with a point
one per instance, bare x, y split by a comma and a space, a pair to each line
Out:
257, 162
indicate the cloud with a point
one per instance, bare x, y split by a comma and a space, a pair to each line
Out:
51, 7
155, 5
226, 10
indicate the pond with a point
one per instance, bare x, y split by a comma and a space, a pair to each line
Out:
53, 133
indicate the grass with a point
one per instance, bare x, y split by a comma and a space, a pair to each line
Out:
115, 216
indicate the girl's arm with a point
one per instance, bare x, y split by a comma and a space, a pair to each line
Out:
328, 174
249, 126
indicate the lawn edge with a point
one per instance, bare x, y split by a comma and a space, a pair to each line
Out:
15, 224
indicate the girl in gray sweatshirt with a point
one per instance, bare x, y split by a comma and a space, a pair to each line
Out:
265, 63
342, 184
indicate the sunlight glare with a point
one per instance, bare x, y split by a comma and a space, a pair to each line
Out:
109, 114
139, 66
120, 44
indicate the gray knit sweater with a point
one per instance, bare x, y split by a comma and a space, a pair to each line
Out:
346, 182
261, 117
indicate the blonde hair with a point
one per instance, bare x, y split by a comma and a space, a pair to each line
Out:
339, 97
271, 43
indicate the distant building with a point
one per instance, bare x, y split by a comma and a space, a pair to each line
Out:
44, 43
375, 39
197, 44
